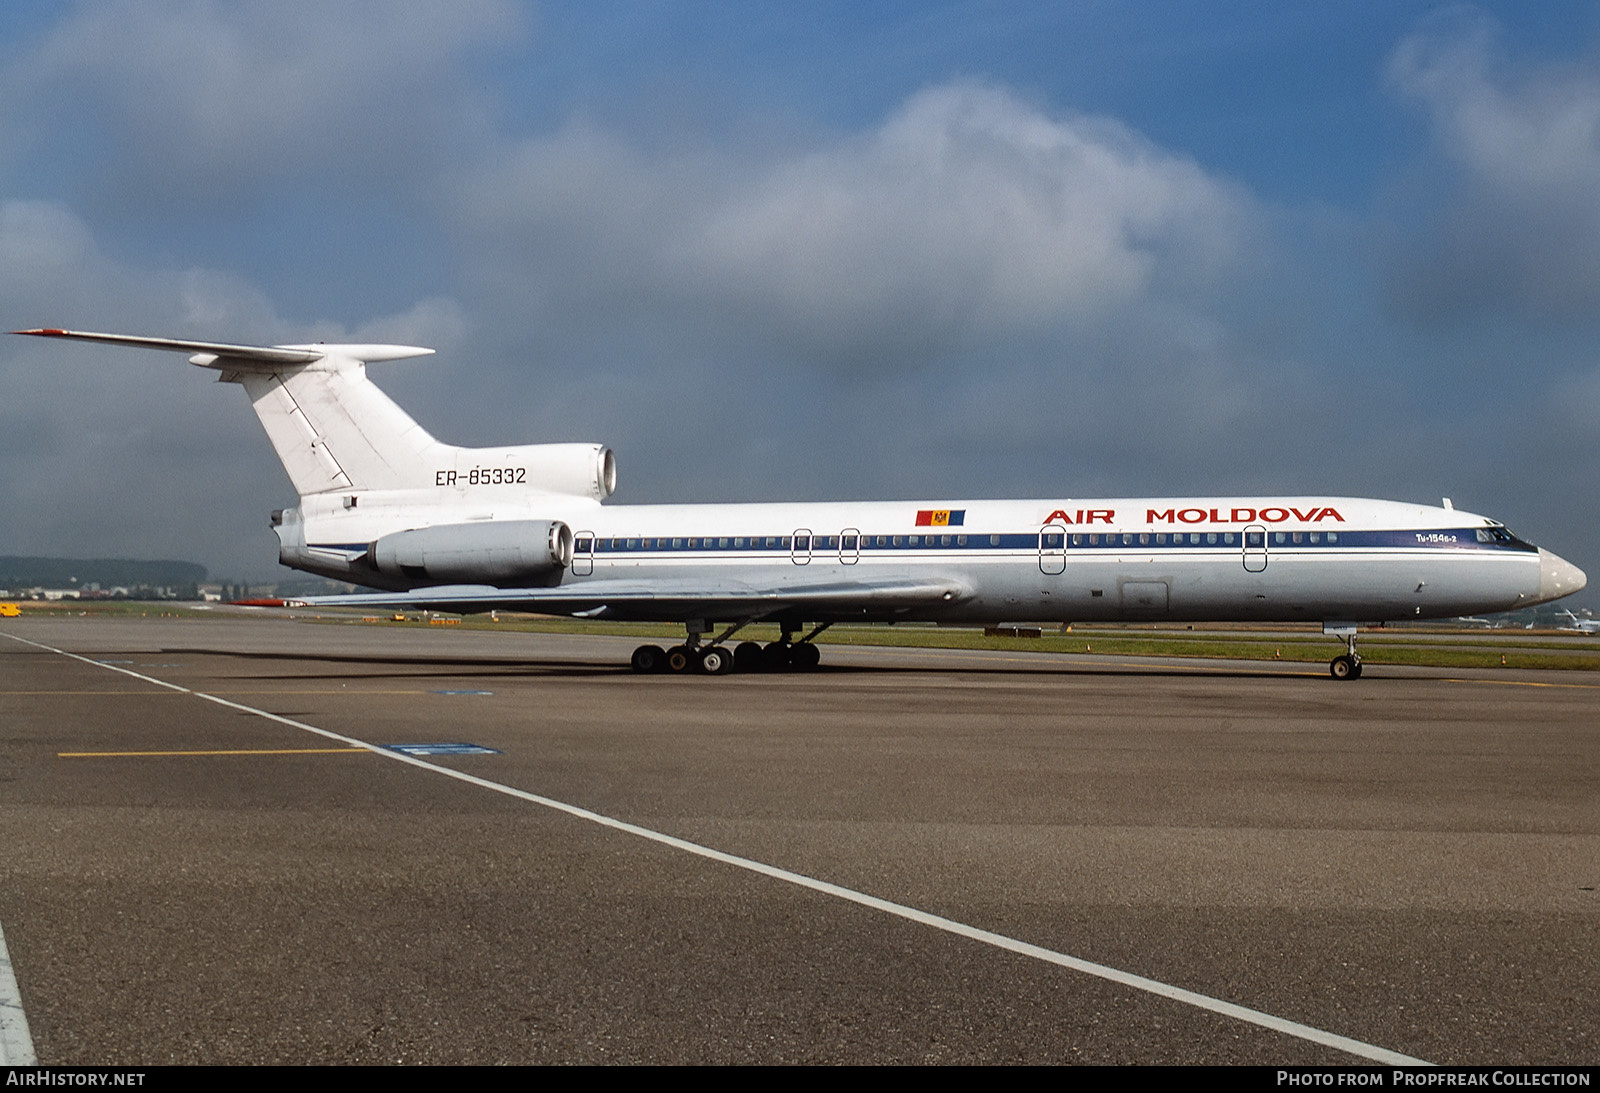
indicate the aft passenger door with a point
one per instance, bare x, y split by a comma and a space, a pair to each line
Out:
583, 554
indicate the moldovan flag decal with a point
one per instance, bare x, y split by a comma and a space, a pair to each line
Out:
941, 518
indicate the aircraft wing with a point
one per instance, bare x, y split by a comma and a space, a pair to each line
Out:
670, 600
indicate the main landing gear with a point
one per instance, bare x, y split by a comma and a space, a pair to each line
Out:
716, 659
1348, 664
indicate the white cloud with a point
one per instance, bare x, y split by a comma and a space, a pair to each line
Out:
966, 214
200, 99
1518, 226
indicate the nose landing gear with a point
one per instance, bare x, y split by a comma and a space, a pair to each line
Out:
1348, 664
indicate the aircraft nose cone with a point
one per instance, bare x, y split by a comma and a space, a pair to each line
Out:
1557, 577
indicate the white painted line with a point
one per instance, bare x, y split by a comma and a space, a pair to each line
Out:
937, 922
16, 1046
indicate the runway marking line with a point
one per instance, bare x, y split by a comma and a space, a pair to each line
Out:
16, 1046
340, 691
236, 751
911, 914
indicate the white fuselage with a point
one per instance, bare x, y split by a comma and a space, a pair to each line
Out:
1214, 559
385, 504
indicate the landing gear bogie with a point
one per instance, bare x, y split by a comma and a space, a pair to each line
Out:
716, 661
718, 658
747, 657
649, 658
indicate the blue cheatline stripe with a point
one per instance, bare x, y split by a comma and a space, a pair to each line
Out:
1309, 1033
1430, 541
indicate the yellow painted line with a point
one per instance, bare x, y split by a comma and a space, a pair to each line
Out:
340, 691
261, 751
1521, 682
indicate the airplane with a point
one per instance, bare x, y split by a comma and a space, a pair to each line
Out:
523, 527
1583, 626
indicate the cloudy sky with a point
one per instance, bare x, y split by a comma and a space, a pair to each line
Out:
808, 251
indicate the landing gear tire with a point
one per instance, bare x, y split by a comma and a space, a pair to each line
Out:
805, 656
716, 661
747, 657
776, 657
1345, 667
649, 658
680, 659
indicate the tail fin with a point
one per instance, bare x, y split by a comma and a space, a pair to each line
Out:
331, 426
335, 431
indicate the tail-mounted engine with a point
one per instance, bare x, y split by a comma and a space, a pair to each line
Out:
503, 553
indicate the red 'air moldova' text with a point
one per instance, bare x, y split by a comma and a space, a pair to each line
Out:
1270, 515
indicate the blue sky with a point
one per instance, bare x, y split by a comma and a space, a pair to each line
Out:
813, 251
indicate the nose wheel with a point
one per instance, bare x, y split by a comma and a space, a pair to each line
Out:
1348, 664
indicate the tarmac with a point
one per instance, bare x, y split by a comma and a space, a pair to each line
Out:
209, 854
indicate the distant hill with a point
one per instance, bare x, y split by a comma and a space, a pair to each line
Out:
22, 572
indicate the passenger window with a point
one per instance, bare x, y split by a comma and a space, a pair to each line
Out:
994, 540
916, 540
961, 540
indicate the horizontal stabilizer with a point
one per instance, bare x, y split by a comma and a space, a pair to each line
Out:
222, 354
